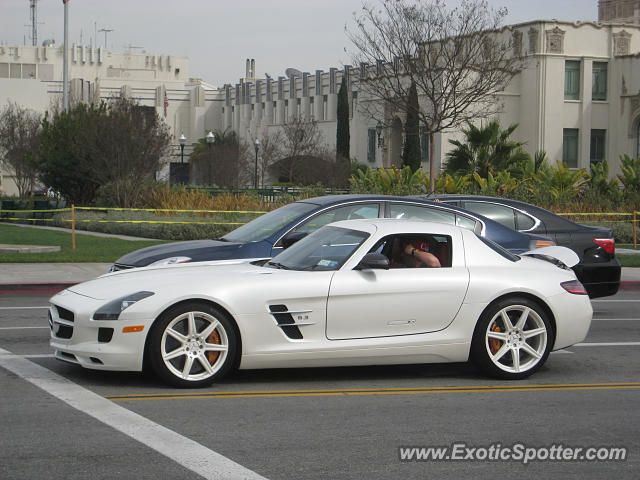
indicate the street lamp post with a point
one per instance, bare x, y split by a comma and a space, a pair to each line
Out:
379, 132
183, 142
210, 139
256, 145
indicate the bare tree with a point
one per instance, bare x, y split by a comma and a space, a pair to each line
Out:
301, 138
457, 59
270, 152
225, 163
20, 130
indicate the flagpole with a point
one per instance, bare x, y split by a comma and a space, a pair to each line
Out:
65, 69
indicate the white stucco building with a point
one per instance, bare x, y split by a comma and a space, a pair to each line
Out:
577, 98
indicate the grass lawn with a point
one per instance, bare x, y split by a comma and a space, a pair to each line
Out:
88, 247
629, 259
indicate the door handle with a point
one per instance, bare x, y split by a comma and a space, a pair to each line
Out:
411, 321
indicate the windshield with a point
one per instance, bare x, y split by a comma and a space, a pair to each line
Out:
269, 223
325, 249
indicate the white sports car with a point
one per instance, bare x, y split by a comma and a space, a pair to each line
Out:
345, 295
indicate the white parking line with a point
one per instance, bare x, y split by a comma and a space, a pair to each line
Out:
22, 308
184, 451
19, 328
608, 344
616, 319
613, 301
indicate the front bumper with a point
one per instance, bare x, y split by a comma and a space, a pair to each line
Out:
99, 345
600, 279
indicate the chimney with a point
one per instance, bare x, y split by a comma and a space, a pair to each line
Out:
247, 73
253, 68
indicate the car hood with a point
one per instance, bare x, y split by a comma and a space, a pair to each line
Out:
166, 278
197, 250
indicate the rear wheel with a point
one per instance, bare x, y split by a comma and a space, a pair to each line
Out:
192, 344
512, 339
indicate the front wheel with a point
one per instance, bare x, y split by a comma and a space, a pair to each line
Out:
512, 339
192, 344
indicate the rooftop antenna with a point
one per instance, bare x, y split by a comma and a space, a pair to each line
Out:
105, 30
33, 5
131, 47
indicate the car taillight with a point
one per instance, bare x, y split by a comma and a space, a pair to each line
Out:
607, 244
574, 286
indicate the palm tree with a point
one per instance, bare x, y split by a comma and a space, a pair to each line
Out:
485, 149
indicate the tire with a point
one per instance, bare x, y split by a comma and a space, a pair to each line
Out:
512, 339
192, 345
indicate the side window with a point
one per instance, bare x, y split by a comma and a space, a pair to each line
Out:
347, 212
418, 212
498, 213
466, 222
395, 249
524, 222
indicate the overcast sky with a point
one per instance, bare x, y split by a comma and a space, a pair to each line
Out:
218, 35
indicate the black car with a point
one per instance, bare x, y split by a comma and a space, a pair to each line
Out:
598, 270
269, 234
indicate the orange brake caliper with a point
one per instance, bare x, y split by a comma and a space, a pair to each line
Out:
494, 343
213, 338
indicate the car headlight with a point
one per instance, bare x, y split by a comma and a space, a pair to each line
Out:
170, 261
113, 309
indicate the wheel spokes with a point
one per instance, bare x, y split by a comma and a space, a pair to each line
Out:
214, 347
534, 332
205, 364
209, 330
497, 335
174, 353
188, 363
523, 318
177, 335
507, 321
530, 350
191, 325
515, 358
500, 353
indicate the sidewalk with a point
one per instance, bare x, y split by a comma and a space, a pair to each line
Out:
53, 277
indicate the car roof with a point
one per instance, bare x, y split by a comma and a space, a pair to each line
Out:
394, 225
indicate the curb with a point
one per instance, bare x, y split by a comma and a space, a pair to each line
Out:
630, 285
34, 288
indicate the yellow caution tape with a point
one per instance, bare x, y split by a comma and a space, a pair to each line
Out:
150, 221
603, 214
34, 219
165, 210
32, 211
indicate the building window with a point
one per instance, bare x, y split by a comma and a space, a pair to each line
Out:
286, 110
597, 145
424, 145
570, 147
371, 145
638, 141
572, 80
325, 106
599, 88
311, 108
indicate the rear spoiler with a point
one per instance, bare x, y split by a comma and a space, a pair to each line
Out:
561, 256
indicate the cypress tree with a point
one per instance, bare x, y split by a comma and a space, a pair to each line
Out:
342, 130
411, 152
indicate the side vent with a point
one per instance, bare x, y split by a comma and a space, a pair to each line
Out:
284, 319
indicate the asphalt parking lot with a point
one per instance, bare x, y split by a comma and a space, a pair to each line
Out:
59, 421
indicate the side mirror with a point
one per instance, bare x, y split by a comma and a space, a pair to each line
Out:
291, 238
373, 261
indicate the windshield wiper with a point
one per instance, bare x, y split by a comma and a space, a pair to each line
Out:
278, 265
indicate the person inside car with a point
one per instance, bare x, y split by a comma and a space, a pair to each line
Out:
414, 253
